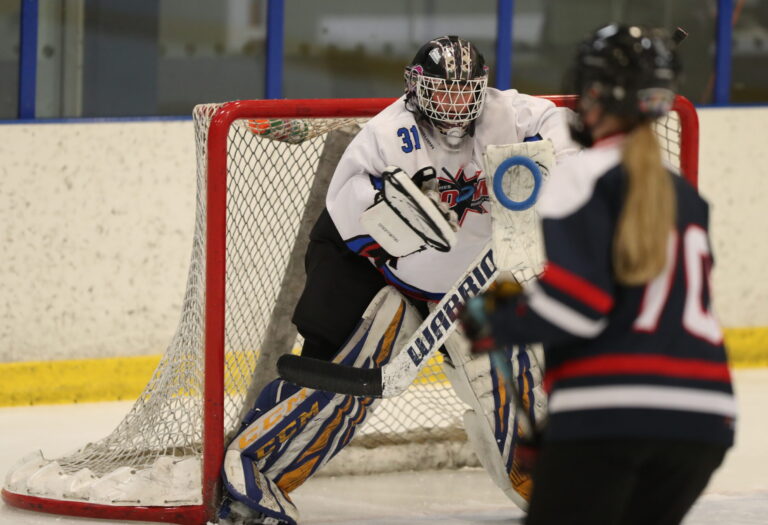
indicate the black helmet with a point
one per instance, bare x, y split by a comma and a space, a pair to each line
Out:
630, 71
446, 82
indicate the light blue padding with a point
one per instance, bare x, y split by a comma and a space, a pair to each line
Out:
498, 177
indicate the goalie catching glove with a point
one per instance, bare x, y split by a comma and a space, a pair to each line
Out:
405, 219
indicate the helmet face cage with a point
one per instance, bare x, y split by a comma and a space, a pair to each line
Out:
630, 71
450, 103
446, 82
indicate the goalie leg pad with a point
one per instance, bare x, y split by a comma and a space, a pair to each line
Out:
292, 431
492, 424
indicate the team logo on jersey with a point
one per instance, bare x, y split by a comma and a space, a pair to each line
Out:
463, 194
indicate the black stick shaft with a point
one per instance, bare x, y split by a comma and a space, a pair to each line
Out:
330, 377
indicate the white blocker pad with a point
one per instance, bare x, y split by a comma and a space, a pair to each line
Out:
405, 220
292, 431
516, 235
492, 424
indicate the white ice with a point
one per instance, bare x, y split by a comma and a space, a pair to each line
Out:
737, 494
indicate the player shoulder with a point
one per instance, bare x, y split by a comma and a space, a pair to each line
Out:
386, 125
393, 116
512, 98
509, 116
572, 182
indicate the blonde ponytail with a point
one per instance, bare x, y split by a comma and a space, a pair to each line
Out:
648, 213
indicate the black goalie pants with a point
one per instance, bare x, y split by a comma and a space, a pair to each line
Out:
340, 285
620, 481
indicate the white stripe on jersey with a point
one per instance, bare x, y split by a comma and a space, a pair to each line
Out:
643, 396
561, 315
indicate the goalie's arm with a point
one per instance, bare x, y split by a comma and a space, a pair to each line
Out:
401, 219
541, 118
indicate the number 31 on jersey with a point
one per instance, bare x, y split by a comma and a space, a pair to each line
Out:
410, 138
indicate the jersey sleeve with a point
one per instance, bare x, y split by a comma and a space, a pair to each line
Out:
353, 189
575, 293
511, 117
357, 178
554, 126
548, 121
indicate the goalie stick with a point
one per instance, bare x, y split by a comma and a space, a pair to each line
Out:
395, 377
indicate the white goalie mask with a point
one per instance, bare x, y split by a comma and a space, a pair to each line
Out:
446, 82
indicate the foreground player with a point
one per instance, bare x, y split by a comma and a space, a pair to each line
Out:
365, 254
641, 410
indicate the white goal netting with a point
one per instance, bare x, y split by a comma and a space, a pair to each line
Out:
277, 171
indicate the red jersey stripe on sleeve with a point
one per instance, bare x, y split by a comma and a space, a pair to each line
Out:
577, 287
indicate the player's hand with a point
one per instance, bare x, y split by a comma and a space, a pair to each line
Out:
475, 316
477, 328
426, 180
445, 209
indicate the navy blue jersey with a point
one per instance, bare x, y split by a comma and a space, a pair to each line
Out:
622, 361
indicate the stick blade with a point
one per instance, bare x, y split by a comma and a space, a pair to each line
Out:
330, 377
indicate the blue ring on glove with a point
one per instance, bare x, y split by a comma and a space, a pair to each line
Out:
498, 177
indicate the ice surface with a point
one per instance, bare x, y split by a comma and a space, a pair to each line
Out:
737, 495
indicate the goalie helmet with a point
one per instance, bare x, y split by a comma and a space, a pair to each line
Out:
445, 83
630, 71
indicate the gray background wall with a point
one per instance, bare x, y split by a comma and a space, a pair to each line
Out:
97, 222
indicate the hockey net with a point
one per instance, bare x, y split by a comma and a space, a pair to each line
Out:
262, 171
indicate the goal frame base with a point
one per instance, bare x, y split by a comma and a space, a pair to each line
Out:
187, 514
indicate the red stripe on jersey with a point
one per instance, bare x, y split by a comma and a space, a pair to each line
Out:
577, 287
632, 364
366, 251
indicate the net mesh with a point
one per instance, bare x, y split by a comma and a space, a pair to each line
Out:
271, 165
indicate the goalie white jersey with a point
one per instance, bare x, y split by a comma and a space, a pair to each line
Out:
393, 137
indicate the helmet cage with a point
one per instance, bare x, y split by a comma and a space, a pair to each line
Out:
446, 103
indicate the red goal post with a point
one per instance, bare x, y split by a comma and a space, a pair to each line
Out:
251, 160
